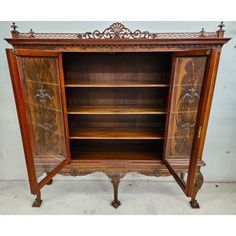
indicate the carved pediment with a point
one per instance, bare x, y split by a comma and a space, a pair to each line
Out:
118, 31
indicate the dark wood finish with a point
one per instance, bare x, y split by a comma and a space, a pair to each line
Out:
123, 101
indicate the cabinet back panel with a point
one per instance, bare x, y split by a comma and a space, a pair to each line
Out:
140, 97
116, 149
148, 67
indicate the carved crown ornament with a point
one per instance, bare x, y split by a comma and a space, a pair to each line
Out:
118, 31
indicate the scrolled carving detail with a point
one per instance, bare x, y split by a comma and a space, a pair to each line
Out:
77, 172
155, 173
42, 95
190, 95
117, 31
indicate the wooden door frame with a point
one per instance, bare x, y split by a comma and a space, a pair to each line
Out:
22, 114
202, 115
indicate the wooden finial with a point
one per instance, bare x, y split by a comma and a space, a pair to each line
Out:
202, 33
31, 33
14, 32
221, 31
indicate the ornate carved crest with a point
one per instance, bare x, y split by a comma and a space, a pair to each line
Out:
118, 31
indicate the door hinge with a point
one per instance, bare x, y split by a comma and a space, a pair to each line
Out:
199, 132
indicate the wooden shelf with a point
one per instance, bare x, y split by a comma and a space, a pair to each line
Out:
130, 154
108, 150
115, 84
113, 133
115, 110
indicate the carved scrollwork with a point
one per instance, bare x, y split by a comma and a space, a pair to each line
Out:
118, 31
45, 120
78, 172
116, 47
189, 96
42, 95
155, 173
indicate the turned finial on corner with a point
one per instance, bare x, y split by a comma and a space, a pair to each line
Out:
31, 32
14, 32
221, 31
202, 33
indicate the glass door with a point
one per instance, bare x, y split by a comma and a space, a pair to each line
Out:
38, 84
189, 70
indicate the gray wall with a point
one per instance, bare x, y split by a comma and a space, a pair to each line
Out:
220, 147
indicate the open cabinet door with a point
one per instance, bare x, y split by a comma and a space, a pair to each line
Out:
191, 90
38, 84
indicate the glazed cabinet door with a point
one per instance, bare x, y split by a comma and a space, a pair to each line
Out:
38, 83
187, 96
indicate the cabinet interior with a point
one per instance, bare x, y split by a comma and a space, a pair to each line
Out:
117, 104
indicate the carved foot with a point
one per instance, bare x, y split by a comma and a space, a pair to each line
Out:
115, 180
50, 182
37, 202
197, 185
194, 204
115, 204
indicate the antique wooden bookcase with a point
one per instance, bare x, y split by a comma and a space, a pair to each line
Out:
116, 101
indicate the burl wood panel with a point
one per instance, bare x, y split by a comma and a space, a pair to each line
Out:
186, 92
42, 95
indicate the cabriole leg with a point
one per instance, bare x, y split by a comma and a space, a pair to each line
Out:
198, 184
37, 202
115, 180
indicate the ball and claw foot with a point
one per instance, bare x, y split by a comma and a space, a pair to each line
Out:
194, 204
116, 204
50, 182
37, 203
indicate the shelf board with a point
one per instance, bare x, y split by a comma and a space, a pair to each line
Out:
115, 110
115, 133
116, 150
99, 154
115, 84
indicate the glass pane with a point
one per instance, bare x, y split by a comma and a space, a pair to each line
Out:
41, 85
186, 91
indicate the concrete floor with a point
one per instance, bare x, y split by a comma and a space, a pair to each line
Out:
137, 197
